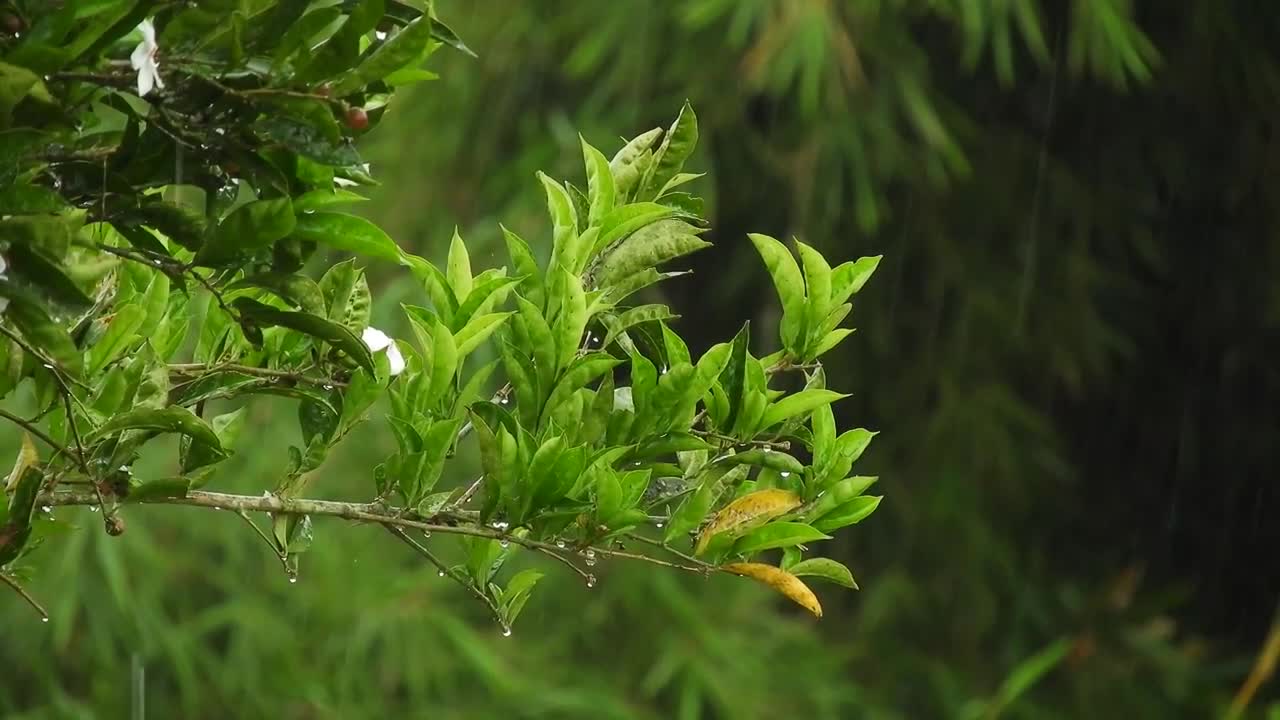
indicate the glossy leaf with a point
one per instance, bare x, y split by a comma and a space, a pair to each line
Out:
337, 335
347, 232
826, 569
777, 535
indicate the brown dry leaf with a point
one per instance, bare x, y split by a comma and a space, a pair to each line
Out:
27, 456
780, 580
753, 508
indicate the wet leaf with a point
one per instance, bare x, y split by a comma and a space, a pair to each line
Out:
777, 535
165, 420
347, 232
337, 335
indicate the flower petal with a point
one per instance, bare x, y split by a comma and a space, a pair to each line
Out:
146, 80
375, 339
3, 265
148, 33
395, 359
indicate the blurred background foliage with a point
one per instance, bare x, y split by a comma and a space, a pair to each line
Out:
1069, 347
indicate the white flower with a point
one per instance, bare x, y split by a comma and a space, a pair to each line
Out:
143, 60
379, 341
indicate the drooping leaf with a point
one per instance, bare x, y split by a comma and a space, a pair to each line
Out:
337, 335
166, 420
782, 581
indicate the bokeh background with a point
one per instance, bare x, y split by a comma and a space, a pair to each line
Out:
1072, 349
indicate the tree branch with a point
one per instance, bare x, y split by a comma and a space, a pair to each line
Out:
447, 522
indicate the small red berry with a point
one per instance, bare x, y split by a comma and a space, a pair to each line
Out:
357, 118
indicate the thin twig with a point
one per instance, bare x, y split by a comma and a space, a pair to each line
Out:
34, 430
1264, 666
206, 368
659, 544
275, 549
44, 615
567, 562
58, 374
767, 444
449, 572
470, 492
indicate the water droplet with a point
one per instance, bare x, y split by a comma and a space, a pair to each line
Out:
293, 580
327, 386
215, 507
560, 544
44, 619
659, 524
441, 573
93, 508
768, 449
591, 581
590, 556
503, 542
664, 369
500, 525
426, 533
47, 509
504, 401
383, 36
220, 131
48, 366
785, 474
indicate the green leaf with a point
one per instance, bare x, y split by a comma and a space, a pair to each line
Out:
627, 166
347, 232
121, 332
525, 265
399, 50
477, 331
764, 457
778, 535
308, 140
337, 335
734, 376
564, 219
299, 290
541, 343
251, 227
798, 404
787, 280
572, 321
16, 529
39, 329
323, 199
650, 247
826, 569
850, 513
166, 420
817, 279
677, 145
458, 267
582, 371
828, 342
483, 296
848, 278
619, 324
839, 494
444, 361
626, 219
600, 183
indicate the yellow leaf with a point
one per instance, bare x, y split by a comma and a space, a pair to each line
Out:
27, 456
780, 580
749, 510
